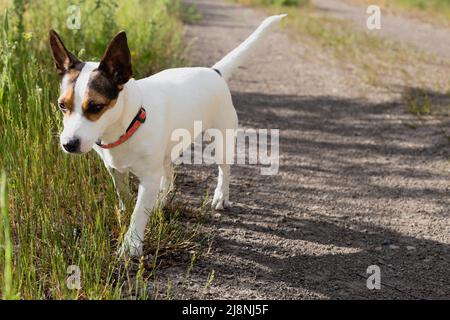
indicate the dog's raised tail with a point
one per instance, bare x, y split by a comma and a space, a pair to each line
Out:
237, 57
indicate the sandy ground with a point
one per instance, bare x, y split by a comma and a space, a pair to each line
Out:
356, 186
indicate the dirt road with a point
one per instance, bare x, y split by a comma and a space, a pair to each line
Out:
356, 186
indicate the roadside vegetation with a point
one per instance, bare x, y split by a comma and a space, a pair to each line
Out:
433, 11
388, 65
61, 210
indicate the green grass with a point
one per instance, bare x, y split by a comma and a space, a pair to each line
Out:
422, 102
62, 209
5, 240
190, 13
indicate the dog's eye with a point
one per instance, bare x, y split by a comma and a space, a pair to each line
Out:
62, 106
94, 108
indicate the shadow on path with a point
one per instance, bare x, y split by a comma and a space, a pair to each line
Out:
350, 176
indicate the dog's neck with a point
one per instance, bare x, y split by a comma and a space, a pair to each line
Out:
131, 98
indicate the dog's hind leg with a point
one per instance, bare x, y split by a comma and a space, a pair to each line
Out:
227, 125
121, 184
222, 191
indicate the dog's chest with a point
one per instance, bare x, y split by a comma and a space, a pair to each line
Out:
120, 161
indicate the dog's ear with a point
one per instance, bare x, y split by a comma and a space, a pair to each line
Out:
116, 62
64, 59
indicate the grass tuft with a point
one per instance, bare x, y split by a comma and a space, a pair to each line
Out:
419, 104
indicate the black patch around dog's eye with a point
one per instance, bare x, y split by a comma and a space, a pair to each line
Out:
104, 86
94, 108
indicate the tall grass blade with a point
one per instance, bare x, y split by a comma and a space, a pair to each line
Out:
5, 243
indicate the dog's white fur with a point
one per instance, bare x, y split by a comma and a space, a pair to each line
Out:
174, 99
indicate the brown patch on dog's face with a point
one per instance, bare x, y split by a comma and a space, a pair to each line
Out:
101, 95
66, 101
69, 68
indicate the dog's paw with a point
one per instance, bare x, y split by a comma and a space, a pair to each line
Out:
220, 201
131, 248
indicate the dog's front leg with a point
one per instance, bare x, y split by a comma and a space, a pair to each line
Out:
147, 194
166, 182
121, 184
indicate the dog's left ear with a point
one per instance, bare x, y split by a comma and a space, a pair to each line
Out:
116, 62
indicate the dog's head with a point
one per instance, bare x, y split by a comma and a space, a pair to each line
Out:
90, 92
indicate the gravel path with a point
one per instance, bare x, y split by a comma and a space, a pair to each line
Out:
357, 186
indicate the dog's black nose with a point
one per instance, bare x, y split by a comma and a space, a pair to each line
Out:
72, 145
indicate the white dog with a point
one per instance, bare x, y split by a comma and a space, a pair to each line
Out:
129, 122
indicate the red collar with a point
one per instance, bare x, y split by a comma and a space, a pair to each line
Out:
132, 128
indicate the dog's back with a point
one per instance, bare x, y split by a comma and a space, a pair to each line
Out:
180, 97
